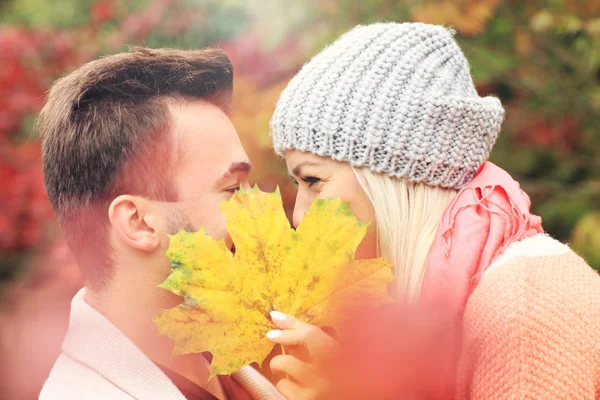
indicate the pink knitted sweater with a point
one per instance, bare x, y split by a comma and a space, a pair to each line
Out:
531, 328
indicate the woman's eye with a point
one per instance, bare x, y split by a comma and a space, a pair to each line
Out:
311, 180
232, 190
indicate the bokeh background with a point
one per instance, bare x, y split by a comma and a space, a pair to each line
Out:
542, 58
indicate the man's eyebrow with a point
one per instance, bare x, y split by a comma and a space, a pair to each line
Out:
298, 168
234, 168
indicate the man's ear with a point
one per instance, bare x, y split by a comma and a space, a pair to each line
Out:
128, 215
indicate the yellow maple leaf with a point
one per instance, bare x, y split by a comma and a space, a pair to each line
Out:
308, 273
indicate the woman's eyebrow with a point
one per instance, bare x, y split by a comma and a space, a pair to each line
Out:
298, 168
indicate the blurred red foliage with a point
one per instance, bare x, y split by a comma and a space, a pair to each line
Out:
36, 302
563, 134
102, 11
34, 312
254, 64
31, 60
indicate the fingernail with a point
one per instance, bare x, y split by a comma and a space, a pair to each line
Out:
273, 334
278, 316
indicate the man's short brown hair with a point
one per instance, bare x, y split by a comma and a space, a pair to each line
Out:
106, 131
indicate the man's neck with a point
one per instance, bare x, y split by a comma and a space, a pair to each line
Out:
130, 305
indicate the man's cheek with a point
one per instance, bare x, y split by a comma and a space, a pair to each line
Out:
215, 226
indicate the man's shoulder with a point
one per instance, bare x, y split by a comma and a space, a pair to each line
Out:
70, 379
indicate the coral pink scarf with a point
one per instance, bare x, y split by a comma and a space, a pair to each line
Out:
487, 216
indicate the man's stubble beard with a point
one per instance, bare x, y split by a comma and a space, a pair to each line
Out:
177, 220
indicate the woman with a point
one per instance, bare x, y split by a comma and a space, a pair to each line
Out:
388, 118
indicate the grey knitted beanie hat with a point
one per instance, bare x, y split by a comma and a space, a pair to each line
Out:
396, 98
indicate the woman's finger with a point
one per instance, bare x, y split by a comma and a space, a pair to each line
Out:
295, 332
300, 337
292, 391
296, 369
285, 321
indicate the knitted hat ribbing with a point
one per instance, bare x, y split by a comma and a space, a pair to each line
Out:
396, 98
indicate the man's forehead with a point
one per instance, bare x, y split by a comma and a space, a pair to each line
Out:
202, 127
200, 118
207, 141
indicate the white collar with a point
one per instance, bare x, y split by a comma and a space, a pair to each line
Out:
97, 343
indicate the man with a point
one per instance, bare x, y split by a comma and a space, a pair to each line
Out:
135, 146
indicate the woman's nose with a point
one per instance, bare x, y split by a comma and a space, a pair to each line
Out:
298, 214
302, 205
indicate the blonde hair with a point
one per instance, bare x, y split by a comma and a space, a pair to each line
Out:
407, 216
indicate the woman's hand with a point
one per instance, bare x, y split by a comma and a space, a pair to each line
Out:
308, 353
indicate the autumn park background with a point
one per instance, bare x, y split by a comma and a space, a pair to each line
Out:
541, 57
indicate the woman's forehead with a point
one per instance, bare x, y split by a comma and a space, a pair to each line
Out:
296, 156
298, 161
